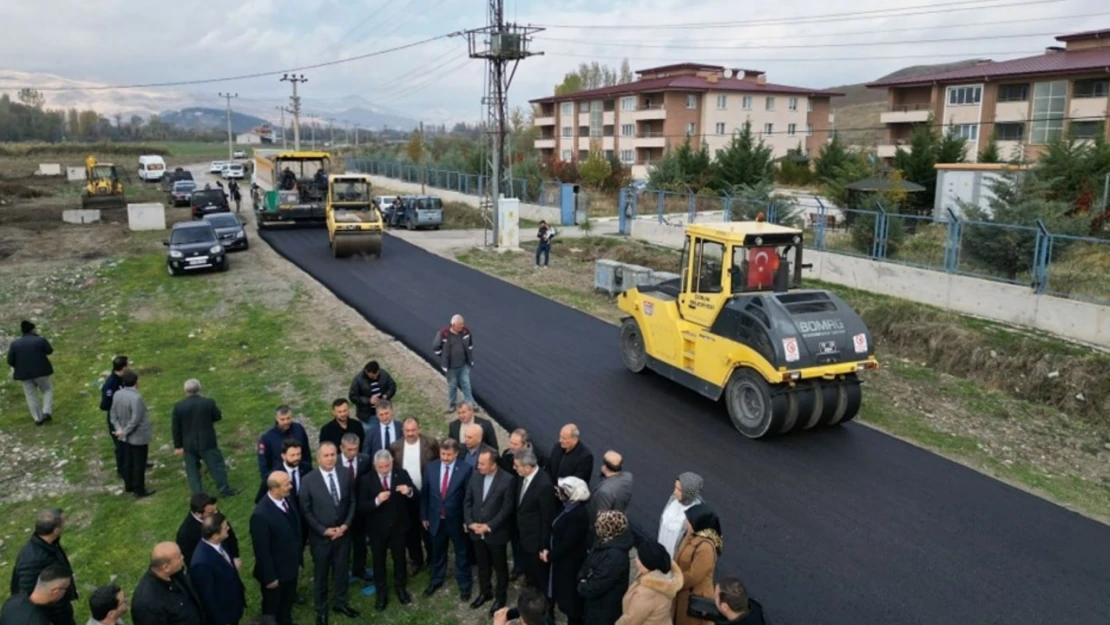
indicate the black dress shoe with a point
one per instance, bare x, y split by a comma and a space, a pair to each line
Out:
403, 596
346, 610
380, 604
464, 595
497, 605
480, 601
430, 590
145, 493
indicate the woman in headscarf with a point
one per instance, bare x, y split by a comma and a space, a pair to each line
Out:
650, 599
569, 533
672, 524
697, 558
604, 577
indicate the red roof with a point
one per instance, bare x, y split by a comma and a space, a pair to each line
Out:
680, 66
687, 83
1055, 63
1087, 34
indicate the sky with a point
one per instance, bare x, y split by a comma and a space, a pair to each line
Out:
811, 43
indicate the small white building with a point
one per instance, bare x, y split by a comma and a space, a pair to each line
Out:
248, 138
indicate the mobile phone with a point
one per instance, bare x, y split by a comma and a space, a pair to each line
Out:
513, 614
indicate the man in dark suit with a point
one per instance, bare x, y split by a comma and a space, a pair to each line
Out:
275, 536
194, 437
28, 358
441, 513
382, 433
535, 510
214, 577
518, 440
356, 465
413, 453
487, 513
327, 503
383, 496
570, 457
110, 386
466, 415
189, 532
42, 550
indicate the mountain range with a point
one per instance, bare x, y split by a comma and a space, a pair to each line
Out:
191, 110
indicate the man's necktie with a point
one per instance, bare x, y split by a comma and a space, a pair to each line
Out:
332, 487
443, 490
351, 471
224, 554
385, 484
284, 506
385, 436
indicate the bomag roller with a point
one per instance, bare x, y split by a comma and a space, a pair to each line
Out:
103, 186
355, 224
737, 326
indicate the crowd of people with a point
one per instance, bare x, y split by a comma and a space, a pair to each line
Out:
374, 486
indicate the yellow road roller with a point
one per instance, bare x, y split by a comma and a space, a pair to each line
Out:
737, 326
355, 224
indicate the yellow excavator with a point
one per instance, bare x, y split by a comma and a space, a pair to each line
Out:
103, 185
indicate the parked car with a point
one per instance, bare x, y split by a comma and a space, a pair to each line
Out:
232, 170
239, 154
207, 201
216, 167
193, 245
182, 193
421, 211
176, 175
231, 231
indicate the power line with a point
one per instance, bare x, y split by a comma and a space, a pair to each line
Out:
853, 44
384, 4
813, 19
823, 59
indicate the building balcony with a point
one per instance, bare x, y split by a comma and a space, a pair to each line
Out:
643, 113
1011, 112
544, 121
545, 143
649, 140
907, 114
1088, 108
888, 150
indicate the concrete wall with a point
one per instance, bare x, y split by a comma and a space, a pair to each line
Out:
1006, 303
81, 216
531, 212
146, 216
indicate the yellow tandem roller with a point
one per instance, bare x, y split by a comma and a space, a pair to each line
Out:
355, 224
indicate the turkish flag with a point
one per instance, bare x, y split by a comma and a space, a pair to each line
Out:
763, 264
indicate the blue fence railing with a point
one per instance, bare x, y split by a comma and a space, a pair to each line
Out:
1056, 264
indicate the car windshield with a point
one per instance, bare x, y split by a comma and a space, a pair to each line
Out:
184, 186
192, 235
208, 196
354, 191
223, 221
433, 203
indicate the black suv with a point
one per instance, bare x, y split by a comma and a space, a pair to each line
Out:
175, 176
194, 245
208, 201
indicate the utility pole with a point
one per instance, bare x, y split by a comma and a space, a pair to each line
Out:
312, 130
499, 44
295, 100
331, 131
284, 144
228, 96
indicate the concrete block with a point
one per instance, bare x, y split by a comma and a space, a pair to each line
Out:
146, 216
81, 216
508, 224
49, 169
75, 174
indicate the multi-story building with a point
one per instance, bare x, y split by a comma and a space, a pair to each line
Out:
638, 121
1025, 102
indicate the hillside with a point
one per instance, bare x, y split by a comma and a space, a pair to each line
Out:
200, 118
858, 110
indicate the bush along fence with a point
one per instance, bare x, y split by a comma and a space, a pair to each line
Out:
1073, 267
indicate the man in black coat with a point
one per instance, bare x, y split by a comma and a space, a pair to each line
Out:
341, 423
535, 510
487, 513
278, 547
570, 457
466, 415
383, 501
28, 356
194, 437
327, 503
164, 595
42, 550
356, 464
51, 587
112, 384
369, 387
189, 532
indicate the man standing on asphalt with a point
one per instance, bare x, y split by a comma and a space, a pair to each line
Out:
51, 586
28, 357
271, 444
132, 426
369, 387
194, 437
42, 550
454, 346
112, 384
570, 457
615, 490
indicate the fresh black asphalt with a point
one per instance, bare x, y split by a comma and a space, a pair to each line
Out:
845, 526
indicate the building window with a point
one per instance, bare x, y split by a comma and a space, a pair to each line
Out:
966, 131
1013, 93
566, 155
1093, 88
809, 105
596, 110
628, 104
792, 104
791, 129
568, 131
628, 130
567, 108
1086, 129
627, 156
691, 101
809, 130
720, 128
768, 129
583, 107
583, 155
770, 103
1010, 131
722, 102
964, 96
747, 103
691, 128
1048, 111
608, 155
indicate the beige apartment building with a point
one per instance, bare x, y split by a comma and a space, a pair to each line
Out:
639, 120
1026, 102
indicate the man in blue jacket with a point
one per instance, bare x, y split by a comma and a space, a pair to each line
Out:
113, 383
28, 357
215, 577
441, 513
270, 444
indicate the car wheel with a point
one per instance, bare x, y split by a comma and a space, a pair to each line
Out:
225, 265
170, 270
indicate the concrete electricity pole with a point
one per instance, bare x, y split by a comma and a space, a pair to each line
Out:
331, 131
284, 144
228, 96
296, 101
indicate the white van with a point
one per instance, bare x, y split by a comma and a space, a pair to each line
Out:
151, 168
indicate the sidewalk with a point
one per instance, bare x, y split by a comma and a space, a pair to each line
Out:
446, 242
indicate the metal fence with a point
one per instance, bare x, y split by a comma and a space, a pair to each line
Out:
1056, 264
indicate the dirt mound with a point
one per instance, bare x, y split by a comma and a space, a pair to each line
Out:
19, 190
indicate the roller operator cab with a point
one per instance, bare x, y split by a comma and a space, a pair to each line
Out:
298, 189
355, 224
737, 326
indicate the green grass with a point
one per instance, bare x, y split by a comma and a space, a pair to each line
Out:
249, 352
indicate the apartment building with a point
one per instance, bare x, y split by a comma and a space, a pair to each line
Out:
1026, 102
639, 120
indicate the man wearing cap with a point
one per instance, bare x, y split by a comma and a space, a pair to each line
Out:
28, 358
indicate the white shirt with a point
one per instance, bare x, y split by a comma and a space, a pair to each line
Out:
280, 503
295, 473
328, 477
673, 525
386, 429
410, 462
219, 549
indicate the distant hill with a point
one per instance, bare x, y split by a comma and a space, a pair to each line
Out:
858, 110
201, 118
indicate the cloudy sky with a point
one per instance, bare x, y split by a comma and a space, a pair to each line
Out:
816, 43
